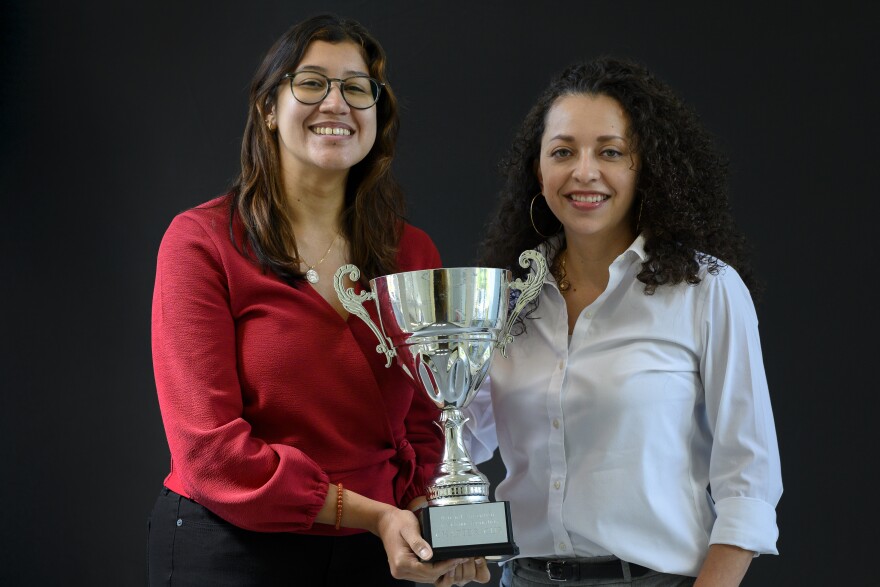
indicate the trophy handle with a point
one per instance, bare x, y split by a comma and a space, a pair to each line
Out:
354, 303
529, 290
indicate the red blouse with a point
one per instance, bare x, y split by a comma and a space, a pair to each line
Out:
267, 394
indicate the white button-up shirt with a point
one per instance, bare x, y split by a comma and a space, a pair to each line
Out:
613, 439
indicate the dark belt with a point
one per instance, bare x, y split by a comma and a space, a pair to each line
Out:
570, 570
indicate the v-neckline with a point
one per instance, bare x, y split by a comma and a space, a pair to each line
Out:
358, 288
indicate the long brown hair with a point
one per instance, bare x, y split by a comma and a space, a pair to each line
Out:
374, 204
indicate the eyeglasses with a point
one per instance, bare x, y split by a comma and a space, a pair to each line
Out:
311, 87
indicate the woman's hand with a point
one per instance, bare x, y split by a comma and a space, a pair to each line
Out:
399, 532
472, 569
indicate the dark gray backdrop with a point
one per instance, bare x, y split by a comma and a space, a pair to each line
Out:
116, 116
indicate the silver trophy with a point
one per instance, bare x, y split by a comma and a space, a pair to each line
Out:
444, 325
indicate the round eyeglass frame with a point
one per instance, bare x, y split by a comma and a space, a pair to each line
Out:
379, 85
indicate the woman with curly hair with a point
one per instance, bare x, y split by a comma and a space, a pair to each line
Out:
294, 452
632, 415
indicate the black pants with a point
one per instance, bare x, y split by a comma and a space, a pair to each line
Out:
190, 546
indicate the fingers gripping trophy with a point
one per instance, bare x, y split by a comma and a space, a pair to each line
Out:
444, 325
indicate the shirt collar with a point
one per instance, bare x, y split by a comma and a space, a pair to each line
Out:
637, 248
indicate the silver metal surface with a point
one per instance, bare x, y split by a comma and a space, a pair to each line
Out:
354, 303
443, 325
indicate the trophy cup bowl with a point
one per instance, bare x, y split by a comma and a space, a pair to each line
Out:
443, 326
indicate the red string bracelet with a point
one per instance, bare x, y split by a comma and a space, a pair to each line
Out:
338, 505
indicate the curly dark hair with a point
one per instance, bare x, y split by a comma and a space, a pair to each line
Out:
682, 186
374, 204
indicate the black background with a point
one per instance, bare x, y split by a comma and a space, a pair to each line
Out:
117, 115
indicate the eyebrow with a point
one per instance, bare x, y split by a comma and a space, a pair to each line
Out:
320, 69
563, 137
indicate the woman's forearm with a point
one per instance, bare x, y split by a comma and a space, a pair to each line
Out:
725, 566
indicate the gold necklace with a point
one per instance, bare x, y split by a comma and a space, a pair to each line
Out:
311, 274
561, 281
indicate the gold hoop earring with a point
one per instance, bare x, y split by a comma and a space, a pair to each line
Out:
532, 217
639, 219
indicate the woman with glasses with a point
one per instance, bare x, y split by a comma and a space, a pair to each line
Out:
633, 415
295, 452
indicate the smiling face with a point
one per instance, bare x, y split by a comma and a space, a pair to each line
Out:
588, 168
330, 136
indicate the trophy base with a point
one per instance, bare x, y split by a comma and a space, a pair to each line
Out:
474, 529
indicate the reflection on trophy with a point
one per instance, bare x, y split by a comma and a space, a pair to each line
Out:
443, 325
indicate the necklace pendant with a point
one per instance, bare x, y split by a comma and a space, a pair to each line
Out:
311, 274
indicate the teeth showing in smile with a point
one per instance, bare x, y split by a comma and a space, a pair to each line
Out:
589, 199
326, 130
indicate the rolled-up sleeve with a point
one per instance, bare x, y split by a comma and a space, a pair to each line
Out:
745, 473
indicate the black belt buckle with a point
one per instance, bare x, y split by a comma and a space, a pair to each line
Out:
562, 571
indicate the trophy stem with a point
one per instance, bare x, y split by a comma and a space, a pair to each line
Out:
457, 480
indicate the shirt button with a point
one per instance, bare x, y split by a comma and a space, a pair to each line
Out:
563, 547
588, 314
557, 484
556, 423
179, 522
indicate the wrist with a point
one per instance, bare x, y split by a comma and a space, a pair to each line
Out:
340, 494
417, 503
384, 517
